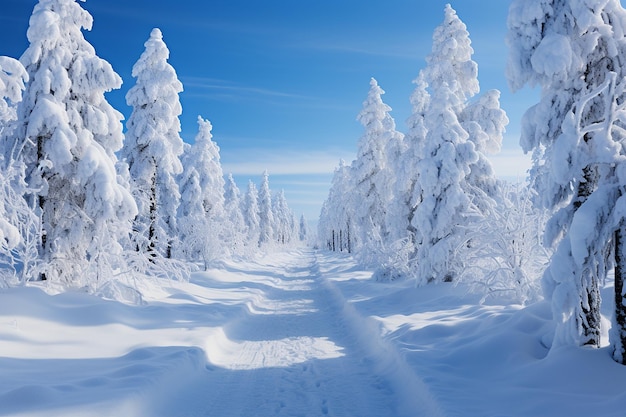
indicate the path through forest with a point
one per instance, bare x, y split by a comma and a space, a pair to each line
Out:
299, 350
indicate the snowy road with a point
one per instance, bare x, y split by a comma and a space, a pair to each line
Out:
299, 351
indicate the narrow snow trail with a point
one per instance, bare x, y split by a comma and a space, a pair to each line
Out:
298, 351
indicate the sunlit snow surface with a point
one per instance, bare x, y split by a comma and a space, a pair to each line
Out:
293, 334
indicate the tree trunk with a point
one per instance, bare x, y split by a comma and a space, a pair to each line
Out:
592, 318
42, 202
590, 304
619, 322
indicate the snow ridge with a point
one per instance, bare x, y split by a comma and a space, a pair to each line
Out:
412, 393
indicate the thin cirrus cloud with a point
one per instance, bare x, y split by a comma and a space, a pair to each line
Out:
282, 162
228, 91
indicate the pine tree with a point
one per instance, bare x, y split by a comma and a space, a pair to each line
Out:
336, 228
574, 50
153, 147
284, 220
452, 175
67, 139
201, 213
250, 212
266, 215
303, 230
405, 199
370, 171
235, 233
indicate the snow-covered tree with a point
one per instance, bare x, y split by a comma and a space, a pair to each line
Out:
13, 75
67, 138
250, 211
405, 201
284, 220
336, 224
202, 189
266, 215
452, 176
370, 171
574, 50
235, 231
204, 156
193, 224
16, 217
303, 229
153, 147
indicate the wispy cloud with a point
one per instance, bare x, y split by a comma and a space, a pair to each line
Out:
231, 88
282, 162
230, 91
379, 49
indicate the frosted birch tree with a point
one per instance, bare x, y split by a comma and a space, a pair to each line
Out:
574, 51
67, 139
153, 148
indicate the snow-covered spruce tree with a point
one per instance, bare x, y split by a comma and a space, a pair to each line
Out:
372, 178
285, 222
67, 136
250, 211
235, 231
153, 148
454, 181
405, 201
193, 224
303, 229
575, 51
335, 230
266, 215
201, 224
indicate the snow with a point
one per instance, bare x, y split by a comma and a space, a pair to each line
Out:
294, 333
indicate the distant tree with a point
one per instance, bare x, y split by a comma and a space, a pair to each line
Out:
336, 224
574, 50
250, 210
284, 220
303, 230
67, 138
235, 232
266, 215
153, 147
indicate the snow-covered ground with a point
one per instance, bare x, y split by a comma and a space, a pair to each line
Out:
295, 333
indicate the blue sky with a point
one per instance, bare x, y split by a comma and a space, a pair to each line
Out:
282, 81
